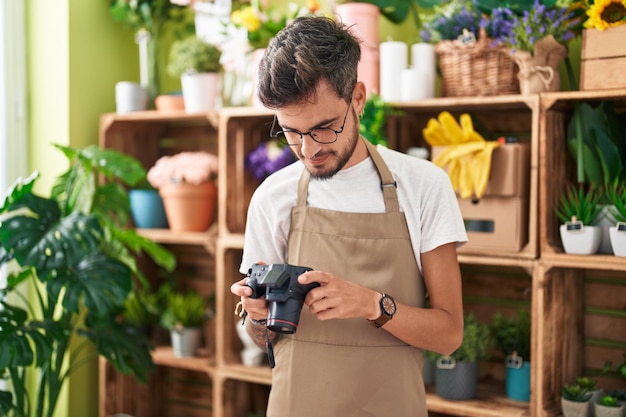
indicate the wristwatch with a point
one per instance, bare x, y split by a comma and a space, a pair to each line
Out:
387, 308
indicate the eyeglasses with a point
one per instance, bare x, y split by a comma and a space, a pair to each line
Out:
323, 135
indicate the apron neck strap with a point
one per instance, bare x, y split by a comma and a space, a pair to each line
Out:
388, 184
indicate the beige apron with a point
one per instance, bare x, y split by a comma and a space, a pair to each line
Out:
349, 368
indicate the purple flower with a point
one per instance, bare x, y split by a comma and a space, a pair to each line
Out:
268, 158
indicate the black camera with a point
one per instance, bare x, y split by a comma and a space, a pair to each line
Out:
284, 294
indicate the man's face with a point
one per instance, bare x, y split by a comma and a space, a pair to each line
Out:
326, 111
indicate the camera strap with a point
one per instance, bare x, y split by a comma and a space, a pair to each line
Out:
270, 351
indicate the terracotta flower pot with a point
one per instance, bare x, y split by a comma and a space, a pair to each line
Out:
189, 207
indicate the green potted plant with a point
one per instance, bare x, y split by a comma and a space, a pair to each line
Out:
184, 316
596, 141
140, 311
75, 253
575, 400
617, 198
197, 64
512, 338
578, 209
608, 406
456, 375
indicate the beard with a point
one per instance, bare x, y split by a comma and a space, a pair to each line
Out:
338, 157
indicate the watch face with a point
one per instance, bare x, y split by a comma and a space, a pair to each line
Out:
389, 306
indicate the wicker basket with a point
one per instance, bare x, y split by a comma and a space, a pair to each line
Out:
478, 69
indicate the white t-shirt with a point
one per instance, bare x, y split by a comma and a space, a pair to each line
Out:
425, 196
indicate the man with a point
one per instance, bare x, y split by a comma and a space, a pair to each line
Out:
378, 227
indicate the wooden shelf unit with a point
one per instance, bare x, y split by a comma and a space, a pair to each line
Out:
568, 295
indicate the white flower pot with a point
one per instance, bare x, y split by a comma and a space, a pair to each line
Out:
584, 241
618, 240
199, 91
604, 221
186, 341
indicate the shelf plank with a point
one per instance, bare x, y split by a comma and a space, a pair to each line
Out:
164, 356
597, 262
489, 402
255, 374
180, 238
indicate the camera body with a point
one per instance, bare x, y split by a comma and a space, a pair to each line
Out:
284, 294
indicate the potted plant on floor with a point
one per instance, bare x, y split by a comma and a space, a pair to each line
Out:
456, 375
616, 195
512, 338
73, 251
197, 64
575, 400
578, 208
187, 182
184, 316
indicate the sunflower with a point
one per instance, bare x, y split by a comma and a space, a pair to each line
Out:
606, 13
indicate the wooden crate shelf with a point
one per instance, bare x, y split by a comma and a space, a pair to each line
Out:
558, 168
576, 302
513, 115
490, 401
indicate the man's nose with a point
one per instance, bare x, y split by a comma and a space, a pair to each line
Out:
309, 148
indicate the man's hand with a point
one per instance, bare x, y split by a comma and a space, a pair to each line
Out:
336, 298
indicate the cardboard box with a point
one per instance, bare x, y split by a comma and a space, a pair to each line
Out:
510, 170
603, 59
495, 223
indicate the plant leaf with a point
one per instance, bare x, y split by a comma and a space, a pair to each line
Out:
128, 352
104, 282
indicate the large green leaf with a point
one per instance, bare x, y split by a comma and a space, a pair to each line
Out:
18, 190
128, 351
111, 203
610, 158
23, 343
6, 401
39, 239
112, 164
101, 282
396, 11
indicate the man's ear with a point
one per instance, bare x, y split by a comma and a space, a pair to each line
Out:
359, 97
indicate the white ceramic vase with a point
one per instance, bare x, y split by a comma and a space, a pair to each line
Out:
199, 91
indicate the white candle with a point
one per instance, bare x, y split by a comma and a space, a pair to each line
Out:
423, 56
393, 60
417, 84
